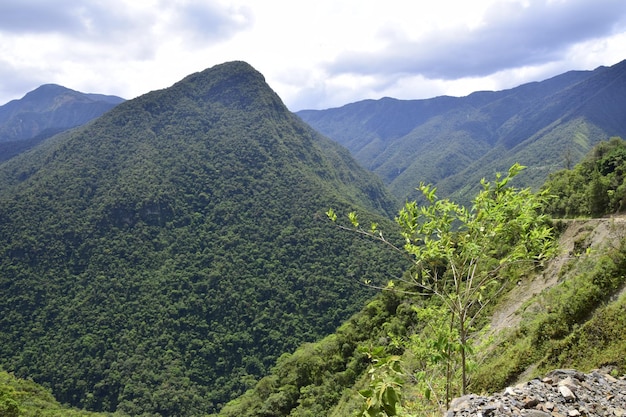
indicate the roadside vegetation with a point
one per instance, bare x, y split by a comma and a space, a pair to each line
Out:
406, 359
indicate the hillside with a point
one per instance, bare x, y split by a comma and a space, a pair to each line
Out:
540, 324
24, 398
158, 260
455, 141
323, 370
569, 313
44, 112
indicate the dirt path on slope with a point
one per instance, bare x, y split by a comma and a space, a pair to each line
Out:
579, 235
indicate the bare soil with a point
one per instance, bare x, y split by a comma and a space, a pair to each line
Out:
579, 235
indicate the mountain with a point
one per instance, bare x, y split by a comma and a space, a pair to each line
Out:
44, 112
158, 260
455, 141
22, 397
568, 313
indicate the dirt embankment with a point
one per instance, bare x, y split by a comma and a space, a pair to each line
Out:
580, 238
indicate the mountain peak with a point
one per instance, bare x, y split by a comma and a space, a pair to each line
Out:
48, 90
233, 67
234, 83
47, 110
44, 95
192, 213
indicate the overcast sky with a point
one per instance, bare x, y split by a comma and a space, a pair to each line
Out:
314, 54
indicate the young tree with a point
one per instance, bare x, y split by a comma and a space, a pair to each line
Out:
459, 253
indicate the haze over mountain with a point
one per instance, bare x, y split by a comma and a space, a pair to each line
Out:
160, 258
44, 112
455, 141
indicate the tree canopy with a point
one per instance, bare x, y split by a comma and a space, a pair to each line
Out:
594, 187
152, 261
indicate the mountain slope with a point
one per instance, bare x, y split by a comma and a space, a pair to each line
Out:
159, 259
46, 111
452, 142
569, 314
540, 324
24, 398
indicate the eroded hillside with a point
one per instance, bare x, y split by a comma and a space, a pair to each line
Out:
564, 316
580, 238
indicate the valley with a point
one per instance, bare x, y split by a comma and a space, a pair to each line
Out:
172, 255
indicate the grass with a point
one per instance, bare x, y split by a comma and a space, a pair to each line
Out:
578, 323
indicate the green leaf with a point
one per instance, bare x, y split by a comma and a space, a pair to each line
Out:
353, 217
427, 393
331, 215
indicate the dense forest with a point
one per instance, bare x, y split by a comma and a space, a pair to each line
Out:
579, 323
177, 257
158, 260
594, 187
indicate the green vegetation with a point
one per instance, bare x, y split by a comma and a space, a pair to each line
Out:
460, 260
594, 187
461, 255
453, 142
578, 323
568, 325
159, 260
162, 260
313, 379
23, 398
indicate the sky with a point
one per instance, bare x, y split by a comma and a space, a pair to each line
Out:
315, 54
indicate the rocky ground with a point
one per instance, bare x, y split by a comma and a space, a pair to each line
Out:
561, 393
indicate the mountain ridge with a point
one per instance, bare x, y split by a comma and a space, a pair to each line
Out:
44, 112
484, 132
168, 252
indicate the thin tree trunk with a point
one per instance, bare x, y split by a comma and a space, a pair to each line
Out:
449, 364
463, 337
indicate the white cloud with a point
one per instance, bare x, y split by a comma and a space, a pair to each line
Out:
314, 54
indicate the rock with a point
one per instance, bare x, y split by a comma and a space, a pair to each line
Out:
619, 412
460, 402
561, 393
564, 373
534, 413
570, 383
567, 393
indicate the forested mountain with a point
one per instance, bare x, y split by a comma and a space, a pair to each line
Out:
44, 112
452, 141
158, 260
25, 398
570, 313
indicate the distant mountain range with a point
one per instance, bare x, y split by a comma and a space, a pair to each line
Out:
44, 112
454, 141
448, 141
